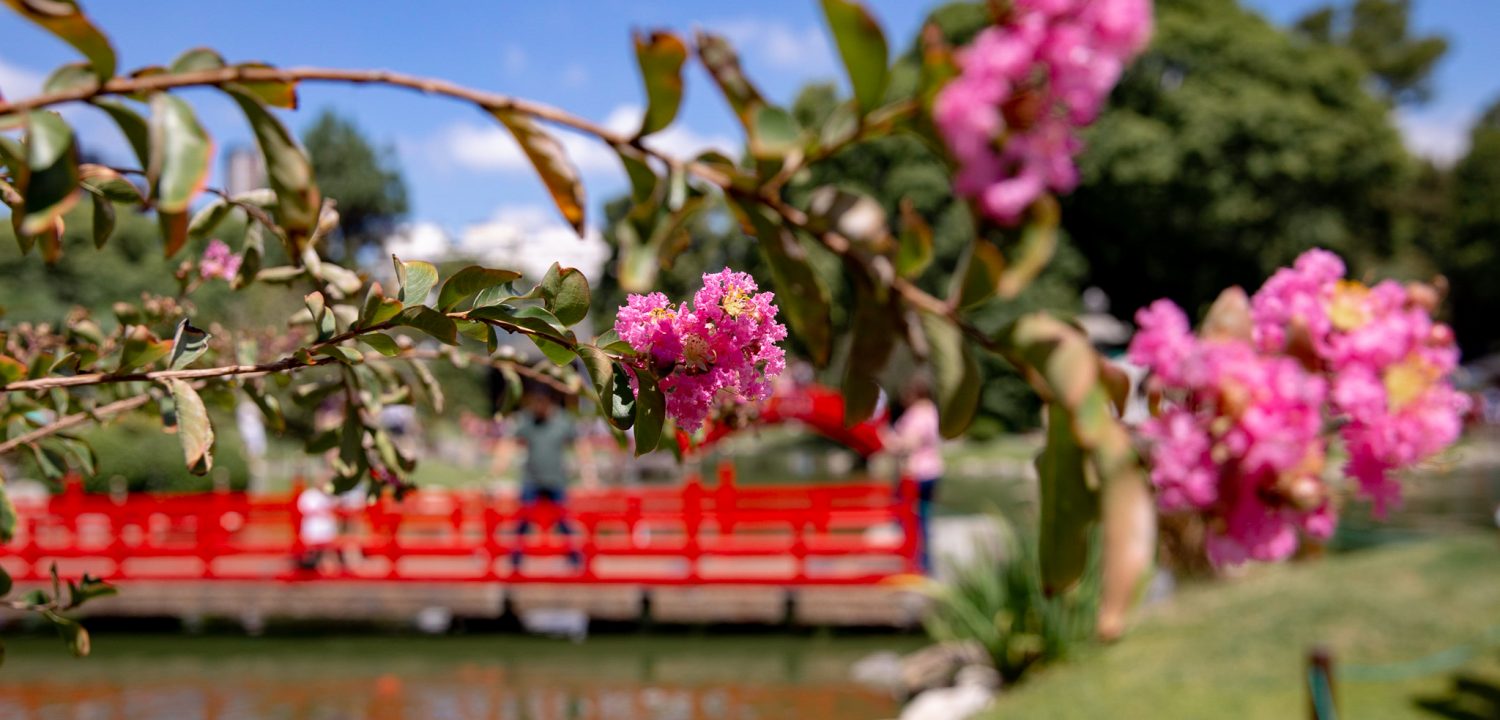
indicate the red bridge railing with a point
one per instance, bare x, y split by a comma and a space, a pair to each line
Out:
847, 534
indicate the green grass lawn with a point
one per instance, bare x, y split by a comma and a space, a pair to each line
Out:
1235, 649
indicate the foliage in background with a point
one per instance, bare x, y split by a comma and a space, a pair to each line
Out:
1379, 33
1472, 259
1001, 604
1229, 147
367, 184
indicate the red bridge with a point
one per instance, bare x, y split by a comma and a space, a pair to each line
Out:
688, 535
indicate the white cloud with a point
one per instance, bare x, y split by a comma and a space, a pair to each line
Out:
17, 82
491, 147
419, 241
575, 76
1441, 139
529, 238
526, 238
782, 46
514, 60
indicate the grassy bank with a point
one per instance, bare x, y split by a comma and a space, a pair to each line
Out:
1235, 649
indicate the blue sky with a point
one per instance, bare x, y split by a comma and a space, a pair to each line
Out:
462, 169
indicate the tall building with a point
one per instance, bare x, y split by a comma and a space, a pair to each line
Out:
244, 169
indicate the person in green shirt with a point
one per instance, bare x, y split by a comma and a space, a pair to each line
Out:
546, 431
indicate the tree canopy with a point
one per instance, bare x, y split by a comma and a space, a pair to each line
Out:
1228, 148
367, 184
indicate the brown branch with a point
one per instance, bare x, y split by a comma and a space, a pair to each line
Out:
73, 420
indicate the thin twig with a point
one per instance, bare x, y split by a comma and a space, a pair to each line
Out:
75, 419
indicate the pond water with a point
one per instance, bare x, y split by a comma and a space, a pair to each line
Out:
373, 677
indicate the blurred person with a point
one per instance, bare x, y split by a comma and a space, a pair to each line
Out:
319, 528
546, 431
917, 442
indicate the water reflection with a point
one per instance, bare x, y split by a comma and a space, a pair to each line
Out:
405, 678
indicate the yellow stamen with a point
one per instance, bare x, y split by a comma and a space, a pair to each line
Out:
1406, 381
1348, 310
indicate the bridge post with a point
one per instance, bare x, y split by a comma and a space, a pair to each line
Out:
692, 520
726, 498
294, 514
906, 513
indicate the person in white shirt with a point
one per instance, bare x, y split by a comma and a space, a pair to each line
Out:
319, 526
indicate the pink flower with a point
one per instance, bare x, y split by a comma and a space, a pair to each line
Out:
1243, 434
722, 348
1010, 117
219, 261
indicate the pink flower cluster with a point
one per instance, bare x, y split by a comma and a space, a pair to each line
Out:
1241, 437
1244, 426
1025, 87
723, 346
1388, 359
219, 262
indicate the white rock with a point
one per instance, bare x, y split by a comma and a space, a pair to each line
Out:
973, 693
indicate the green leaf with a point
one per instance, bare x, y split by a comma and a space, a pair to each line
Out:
73, 76
955, 374
134, 127
208, 218
7, 516
872, 337
288, 169
601, 370
174, 230
623, 399
342, 354
862, 46
1069, 507
188, 343
661, 55
980, 279
276, 94
723, 64
196, 59
50, 185
414, 280
1037, 245
650, 413
322, 320
840, 126
141, 349
551, 163
914, 253
11, 370
643, 180
104, 220
382, 344
799, 291
64, 19
88, 588
107, 183
429, 321
469, 281
6, 584
73, 634
193, 427
180, 156
565, 291
773, 132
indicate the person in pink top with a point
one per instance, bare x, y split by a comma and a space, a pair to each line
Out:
916, 440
